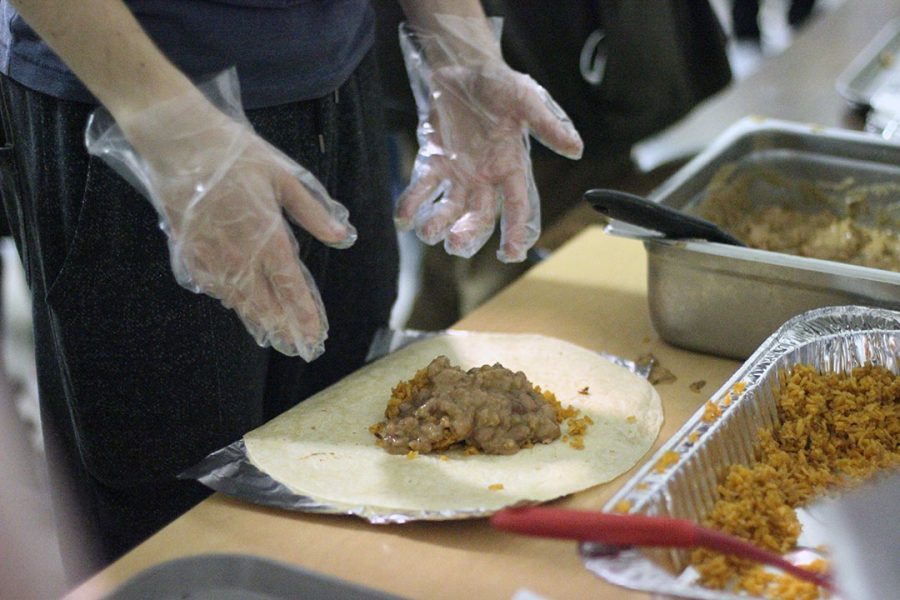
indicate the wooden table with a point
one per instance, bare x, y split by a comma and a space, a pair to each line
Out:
591, 292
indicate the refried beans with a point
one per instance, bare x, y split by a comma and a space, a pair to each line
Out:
490, 409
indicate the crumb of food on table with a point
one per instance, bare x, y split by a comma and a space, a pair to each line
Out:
843, 221
488, 409
669, 458
886, 58
835, 430
631, 418
495, 487
698, 385
584, 391
412, 454
658, 373
711, 412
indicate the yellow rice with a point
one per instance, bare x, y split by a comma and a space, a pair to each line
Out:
835, 430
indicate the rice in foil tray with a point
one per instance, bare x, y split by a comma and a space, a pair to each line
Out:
815, 410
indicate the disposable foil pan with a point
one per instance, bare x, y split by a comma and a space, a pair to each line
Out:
229, 470
830, 339
725, 300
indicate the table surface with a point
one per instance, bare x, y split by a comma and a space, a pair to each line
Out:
593, 292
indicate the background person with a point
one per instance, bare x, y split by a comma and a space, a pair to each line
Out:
620, 71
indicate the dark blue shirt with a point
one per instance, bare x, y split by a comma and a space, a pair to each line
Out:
284, 50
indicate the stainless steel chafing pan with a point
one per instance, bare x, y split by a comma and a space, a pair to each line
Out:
726, 300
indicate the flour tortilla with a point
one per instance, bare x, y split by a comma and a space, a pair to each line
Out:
323, 449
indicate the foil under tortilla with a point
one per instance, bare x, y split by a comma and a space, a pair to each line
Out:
832, 339
229, 470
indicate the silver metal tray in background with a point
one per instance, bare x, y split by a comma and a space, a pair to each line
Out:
237, 577
830, 339
726, 300
876, 69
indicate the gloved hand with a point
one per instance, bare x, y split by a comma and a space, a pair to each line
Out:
475, 115
221, 191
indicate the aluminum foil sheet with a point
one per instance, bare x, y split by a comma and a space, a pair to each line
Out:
229, 470
830, 339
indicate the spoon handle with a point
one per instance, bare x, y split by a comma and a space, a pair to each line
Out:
672, 223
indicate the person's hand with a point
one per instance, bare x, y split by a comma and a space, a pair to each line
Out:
475, 114
221, 192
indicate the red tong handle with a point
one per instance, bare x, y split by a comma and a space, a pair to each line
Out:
591, 526
639, 530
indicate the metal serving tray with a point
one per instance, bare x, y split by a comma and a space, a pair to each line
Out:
830, 339
238, 577
725, 300
876, 69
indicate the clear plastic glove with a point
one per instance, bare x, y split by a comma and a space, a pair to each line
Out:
221, 192
475, 115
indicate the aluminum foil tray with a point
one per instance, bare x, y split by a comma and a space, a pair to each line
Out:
726, 300
229, 470
830, 339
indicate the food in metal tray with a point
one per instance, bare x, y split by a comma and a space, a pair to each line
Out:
323, 448
834, 430
831, 220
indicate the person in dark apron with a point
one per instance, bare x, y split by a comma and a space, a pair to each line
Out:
272, 202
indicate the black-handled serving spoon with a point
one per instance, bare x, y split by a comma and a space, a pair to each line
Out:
672, 223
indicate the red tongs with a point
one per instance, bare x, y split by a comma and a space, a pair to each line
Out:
640, 530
